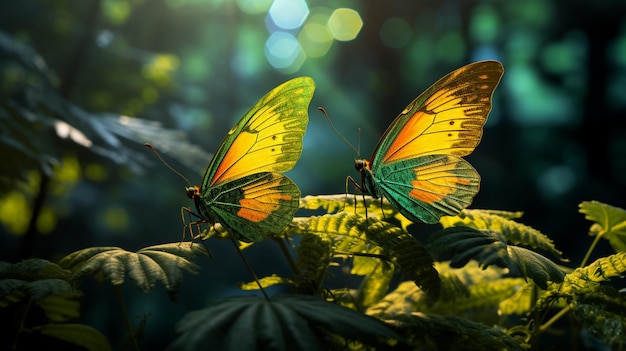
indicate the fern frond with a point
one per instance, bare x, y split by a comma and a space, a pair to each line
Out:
312, 260
350, 234
500, 221
609, 223
459, 295
590, 276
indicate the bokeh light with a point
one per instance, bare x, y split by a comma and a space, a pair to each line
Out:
283, 51
345, 24
289, 14
315, 37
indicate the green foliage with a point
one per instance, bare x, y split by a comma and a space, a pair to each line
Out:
164, 263
287, 322
609, 223
460, 244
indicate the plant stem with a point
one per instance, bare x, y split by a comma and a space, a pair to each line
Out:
245, 262
554, 318
288, 257
129, 328
591, 247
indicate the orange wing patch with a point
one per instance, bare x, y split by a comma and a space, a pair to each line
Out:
437, 180
260, 200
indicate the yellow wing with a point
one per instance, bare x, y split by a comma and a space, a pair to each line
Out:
447, 118
268, 138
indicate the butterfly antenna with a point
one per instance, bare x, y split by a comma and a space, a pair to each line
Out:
148, 145
337, 132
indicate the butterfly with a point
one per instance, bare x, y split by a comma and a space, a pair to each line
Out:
417, 163
243, 187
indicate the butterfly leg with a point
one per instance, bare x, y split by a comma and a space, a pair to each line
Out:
188, 224
356, 185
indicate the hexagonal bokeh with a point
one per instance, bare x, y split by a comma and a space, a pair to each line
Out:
283, 51
345, 24
289, 14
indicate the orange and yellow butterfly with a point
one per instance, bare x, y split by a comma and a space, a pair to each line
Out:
243, 188
417, 163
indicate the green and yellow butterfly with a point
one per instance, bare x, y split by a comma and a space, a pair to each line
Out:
417, 163
243, 188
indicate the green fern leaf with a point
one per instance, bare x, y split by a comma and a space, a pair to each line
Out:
365, 206
590, 276
610, 223
464, 291
348, 234
288, 322
462, 244
163, 263
80, 335
501, 221
313, 258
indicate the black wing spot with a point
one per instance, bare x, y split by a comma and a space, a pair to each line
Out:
451, 123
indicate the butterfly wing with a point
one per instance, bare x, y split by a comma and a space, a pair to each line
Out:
242, 188
252, 206
416, 164
425, 188
268, 138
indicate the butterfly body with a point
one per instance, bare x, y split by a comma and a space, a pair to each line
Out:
243, 188
417, 163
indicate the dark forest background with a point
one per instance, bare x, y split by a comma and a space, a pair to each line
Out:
85, 83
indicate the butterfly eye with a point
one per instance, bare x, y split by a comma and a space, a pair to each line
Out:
360, 164
191, 191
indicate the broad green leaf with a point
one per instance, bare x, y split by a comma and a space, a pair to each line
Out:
77, 334
462, 244
32, 279
288, 322
164, 263
610, 223
501, 221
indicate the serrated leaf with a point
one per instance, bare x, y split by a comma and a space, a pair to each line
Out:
610, 220
590, 276
501, 221
164, 263
352, 234
312, 260
288, 322
462, 244
76, 334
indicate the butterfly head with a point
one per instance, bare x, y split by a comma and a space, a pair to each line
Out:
361, 164
192, 191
